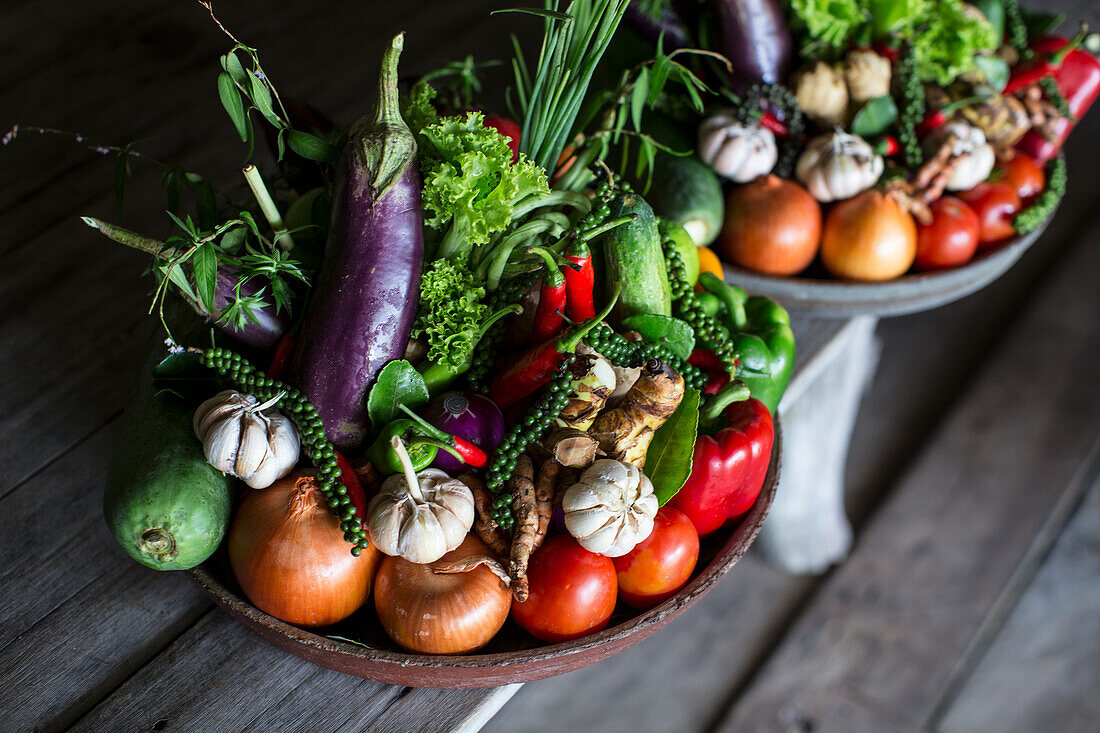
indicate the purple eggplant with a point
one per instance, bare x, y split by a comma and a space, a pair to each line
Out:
265, 328
365, 299
261, 333
649, 28
753, 35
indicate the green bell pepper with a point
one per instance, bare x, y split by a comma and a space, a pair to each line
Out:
760, 332
381, 453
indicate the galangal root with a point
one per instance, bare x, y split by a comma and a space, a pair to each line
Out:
625, 432
531, 505
492, 534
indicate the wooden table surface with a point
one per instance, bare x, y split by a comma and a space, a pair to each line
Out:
970, 601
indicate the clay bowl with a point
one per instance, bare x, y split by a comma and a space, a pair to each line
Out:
818, 294
513, 656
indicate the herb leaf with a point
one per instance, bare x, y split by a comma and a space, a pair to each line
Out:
668, 461
231, 100
398, 383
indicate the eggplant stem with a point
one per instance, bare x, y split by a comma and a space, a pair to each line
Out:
268, 207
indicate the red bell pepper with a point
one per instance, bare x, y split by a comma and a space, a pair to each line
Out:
1075, 71
509, 129
728, 468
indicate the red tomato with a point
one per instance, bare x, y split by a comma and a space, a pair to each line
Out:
952, 237
1024, 175
572, 591
508, 129
995, 204
659, 565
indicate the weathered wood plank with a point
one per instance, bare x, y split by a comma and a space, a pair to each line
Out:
1042, 670
79, 616
893, 621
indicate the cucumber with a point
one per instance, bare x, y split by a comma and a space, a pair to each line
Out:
631, 258
671, 230
164, 504
687, 191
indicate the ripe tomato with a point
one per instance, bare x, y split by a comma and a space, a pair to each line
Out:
995, 204
659, 565
572, 591
952, 237
1024, 175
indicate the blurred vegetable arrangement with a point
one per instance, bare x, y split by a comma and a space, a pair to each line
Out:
875, 137
450, 360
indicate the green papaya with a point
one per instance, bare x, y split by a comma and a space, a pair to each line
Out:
165, 505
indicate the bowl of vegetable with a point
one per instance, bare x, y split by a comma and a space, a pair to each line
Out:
880, 158
457, 416
360, 647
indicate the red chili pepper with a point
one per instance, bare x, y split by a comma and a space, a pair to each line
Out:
351, 482
713, 367
1077, 76
509, 129
467, 452
931, 121
888, 52
280, 360
773, 123
552, 298
728, 468
579, 283
537, 366
1050, 53
888, 146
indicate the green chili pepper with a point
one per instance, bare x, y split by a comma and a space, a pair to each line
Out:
422, 451
731, 296
710, 303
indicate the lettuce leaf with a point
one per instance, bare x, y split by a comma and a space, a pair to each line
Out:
450, 313
471, 186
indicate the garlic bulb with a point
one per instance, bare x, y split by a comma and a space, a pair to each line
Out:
838, 166
867, 75
975, 155
734, 150
611, 507
822, 93
420, 516
241, 437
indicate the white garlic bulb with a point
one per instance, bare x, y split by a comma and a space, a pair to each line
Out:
420, 516
867, 75
976, 155
611, 507
241, 437
838, 166
734, 150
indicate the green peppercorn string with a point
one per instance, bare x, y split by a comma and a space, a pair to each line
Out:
1054, 95
1017, 28
311, 431
1033, 216
912, 106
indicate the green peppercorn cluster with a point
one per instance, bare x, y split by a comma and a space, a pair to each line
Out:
782, 99
484, 357
1054, 95
629, 354
311, 431
912, 106
1017, 28
529, 430
706, 327
1033, 216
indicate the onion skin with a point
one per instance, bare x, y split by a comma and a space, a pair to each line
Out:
479, 422
289, 555
441, 614
772, 225
869, 238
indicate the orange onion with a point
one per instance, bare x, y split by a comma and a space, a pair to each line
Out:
868, 237
289, 555
451, 606
772, 225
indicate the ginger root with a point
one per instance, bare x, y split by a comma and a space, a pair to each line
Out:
626, 432
571, 447
492, 534
531, 507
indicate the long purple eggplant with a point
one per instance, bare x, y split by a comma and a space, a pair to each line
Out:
669, 23
262, 333
366, 294
753, 35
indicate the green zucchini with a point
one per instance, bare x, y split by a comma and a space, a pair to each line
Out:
165, 505
632, 259
686, 190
